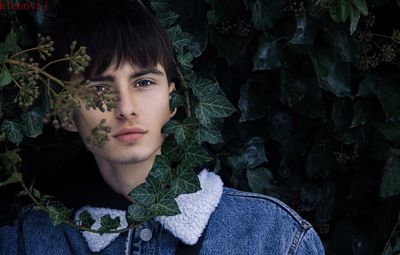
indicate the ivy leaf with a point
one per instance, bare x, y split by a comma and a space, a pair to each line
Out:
179, 38
86, 219
251, 108
214, 106
14, 178
312, 104
171, 149
305, 30
165, 207
13, 130
209, 134
10, 158
9, 45
58, 215
259, 179
203, 87
185, 181
333, 75
361, 6
33, 123
138, 213
310, 196
368, 86
268, 56
167, 18
185, 60
176, 101
355, 17
183, 130
255, 152
161, 169
108, 224
145, 194
5, 78
229, 46
264, 13
390, 184
391, 130
389, 95
222, 10
194, 154
362, 113
159, 6
293, 89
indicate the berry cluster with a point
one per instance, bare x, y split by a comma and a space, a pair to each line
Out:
97, 100
45, 46
64, 106
99, 135
294, 6
238, 27
79, 59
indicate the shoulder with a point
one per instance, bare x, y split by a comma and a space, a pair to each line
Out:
262, 222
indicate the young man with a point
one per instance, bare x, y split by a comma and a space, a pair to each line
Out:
131, 51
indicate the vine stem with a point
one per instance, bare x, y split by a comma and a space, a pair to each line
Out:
391, 234
53, 62
24, 51
68, 222
185, 92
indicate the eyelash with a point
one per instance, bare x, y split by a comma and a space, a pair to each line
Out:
149, 83
103, 86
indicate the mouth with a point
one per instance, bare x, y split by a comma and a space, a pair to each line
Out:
130, 135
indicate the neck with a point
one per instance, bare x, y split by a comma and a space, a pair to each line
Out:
124, 177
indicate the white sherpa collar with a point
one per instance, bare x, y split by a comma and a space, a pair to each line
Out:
196, 209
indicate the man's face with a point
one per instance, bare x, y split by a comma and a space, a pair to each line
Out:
136, 120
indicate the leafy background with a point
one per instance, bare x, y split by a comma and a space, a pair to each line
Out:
317, 125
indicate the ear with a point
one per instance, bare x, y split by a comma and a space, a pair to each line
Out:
171, 89
70, 126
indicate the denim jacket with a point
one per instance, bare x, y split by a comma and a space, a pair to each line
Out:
230, 221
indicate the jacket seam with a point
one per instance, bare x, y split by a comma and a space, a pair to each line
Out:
303, 223
298, 238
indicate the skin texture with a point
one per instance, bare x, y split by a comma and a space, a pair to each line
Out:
144, 103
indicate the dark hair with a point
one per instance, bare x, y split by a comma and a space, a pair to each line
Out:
118, 31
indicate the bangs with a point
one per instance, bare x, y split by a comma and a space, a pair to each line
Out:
115, 33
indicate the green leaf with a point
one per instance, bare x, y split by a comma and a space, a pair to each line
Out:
108, 223
137, 213
391, 130
223, 10
390, 184
292, 88
183, 130
194, 154
159, 6
10, 158
203, 87
179, 38
260, 179
355, 17
305, 30
58, 215
264, 13
389, 97
229, 46
14, 178
210, 134
185, 181
214, 106
144, 194
268, 56
86, 219
333, 75
185, 60
176, 100
171, 149
368, 86
312, 104
161, 169
13, 130
33, 123
165, 207
9, 45
361, 6
5, 78
341, 41
255, 152
362, 113
250, 104
167, 18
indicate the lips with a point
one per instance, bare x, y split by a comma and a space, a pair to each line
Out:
130, 135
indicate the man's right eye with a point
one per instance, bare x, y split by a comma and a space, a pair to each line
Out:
98, 88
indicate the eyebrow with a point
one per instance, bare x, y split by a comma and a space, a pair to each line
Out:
133, 75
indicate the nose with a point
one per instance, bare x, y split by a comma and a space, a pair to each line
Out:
126, 106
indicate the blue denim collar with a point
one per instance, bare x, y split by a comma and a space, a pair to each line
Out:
196, 209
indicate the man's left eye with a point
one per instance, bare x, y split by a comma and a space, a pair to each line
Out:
144, 83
